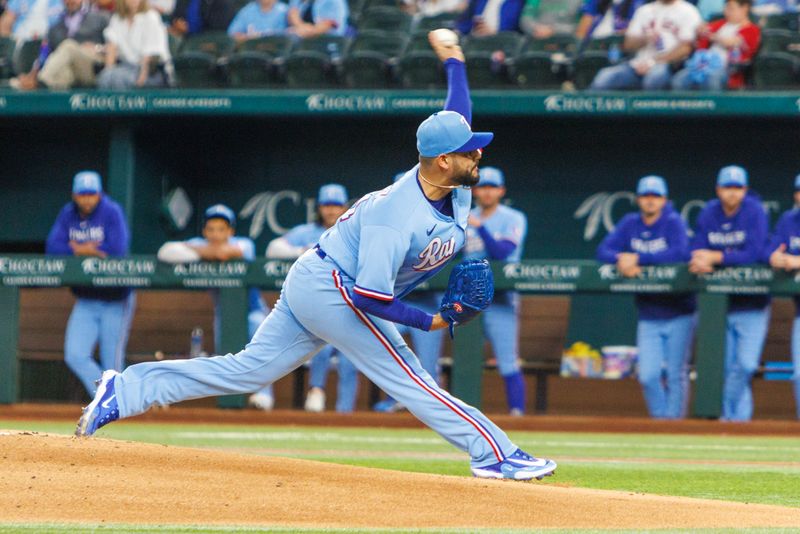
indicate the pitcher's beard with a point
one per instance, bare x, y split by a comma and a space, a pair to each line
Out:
466, 178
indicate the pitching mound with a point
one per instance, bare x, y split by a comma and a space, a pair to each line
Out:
58, 478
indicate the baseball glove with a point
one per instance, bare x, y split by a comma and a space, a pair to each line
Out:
470, 290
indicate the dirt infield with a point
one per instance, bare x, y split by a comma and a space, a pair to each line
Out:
61, 479
535, 423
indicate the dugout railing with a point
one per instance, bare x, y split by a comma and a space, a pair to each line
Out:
233, 279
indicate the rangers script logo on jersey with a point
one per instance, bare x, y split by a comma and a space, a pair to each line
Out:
435, 254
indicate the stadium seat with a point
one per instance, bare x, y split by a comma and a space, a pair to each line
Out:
443, 20
540, 63
251, 69
781, 21
585, 67
421, 70
6, 57
486, 57
565, 44
371, 58
385, 18
780, 41
419, 66
218, 44
604, 44
25, 55
315, 62
775, 70
201, 59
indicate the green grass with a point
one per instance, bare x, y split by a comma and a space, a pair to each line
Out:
736, 468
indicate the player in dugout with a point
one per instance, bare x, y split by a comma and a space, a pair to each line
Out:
732, 230
654, 235
497, 232
93, 225
332, 202
784, 253
219, 243
348, 291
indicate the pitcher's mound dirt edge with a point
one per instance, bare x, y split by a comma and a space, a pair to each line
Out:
52, 478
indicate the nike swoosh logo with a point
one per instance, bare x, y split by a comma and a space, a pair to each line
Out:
431, 230
107, 401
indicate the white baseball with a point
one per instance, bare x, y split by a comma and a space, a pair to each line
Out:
446, 37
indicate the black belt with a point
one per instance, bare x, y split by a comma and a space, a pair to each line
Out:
321, 253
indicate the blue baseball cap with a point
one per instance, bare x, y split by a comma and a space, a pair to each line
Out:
652, 185
87, 183
797, 183
220, 211
448, 131
732, 176
332, 195
491, 177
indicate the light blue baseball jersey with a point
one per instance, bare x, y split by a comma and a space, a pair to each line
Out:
393, 239
248, 248
505, 224
304, 235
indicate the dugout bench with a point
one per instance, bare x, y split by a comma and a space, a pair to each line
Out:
232, 279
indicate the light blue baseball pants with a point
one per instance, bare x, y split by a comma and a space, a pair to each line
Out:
93, 321
665, 344
744, 341
315, 309
347, 391
796, 362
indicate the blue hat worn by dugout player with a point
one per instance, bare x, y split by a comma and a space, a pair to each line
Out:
491, 177
652, 185
332, 195
448, 131
87, 183
732, 176
797, 183
220, 211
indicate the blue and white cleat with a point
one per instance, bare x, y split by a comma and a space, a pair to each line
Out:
103, 409
518, 466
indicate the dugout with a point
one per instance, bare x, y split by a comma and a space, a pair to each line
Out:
571, 162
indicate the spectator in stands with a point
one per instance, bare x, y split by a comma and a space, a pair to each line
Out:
661, 33
25, 20
605, 18
487, 17
76, 46
219, 243
497, 232
331, 204
191, 17
137, 49
656, 235
310, 18
784, 254
433, 8
732, 230
93, 225
542, 19
723, 47
257, 19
